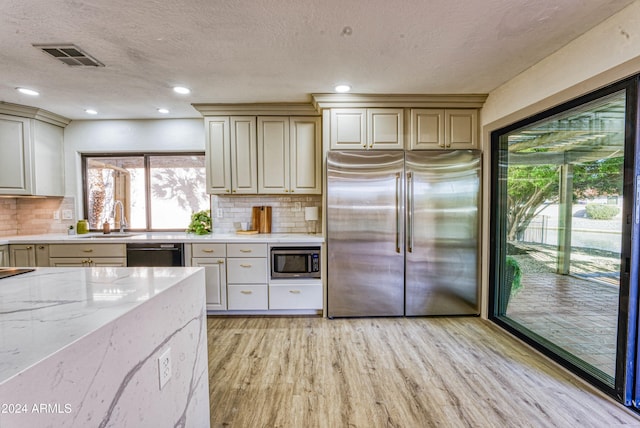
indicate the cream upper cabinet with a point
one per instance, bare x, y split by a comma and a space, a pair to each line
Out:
373, 128
231, 155
31, 157
289, 155
444, 129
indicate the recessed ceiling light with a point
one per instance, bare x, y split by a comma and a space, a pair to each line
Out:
91, 111
181, 90
342, 88
163, 110
28, 91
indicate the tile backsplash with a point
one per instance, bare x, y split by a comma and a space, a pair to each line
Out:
287, 212
35, 216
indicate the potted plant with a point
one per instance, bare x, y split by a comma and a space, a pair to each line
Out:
201, 223
512, 283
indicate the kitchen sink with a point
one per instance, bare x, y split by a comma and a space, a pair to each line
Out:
110, 235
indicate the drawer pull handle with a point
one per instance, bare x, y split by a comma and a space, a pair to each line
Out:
245, 251
245, 265
208, 250
294, 291
88, 250
246, 292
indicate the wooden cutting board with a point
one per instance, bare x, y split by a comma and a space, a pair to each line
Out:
261, 219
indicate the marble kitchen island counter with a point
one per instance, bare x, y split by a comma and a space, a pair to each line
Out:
85, 347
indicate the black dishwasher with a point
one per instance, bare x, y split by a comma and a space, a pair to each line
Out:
155, 254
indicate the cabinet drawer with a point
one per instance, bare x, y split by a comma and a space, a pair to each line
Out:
247, 297
246, 271
295, 296
246, 250
87, 250
208, 250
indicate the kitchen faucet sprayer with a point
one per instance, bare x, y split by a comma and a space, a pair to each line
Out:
123, 219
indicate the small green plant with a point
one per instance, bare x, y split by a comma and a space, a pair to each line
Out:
601, 211
514, 273
200, 223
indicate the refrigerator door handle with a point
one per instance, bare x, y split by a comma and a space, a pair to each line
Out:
410, 212
398, 212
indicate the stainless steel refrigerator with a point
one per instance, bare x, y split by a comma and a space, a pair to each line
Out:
402, 233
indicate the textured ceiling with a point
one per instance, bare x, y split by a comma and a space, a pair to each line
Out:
242, 51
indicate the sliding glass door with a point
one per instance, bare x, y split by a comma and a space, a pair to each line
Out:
563, 198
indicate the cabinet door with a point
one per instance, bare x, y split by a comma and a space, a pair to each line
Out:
273, 155
108, 262
348, 129
295, 296
248, 297
15, 156
48, 158
42, 255
461, 129
4, 255
68, 262
215, 281
427, 129
244, 160
385, 128
218, 155
305, 155
247, 271
22, 255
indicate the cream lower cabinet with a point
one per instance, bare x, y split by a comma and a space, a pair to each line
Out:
289, 155
88, 255
212, 258
247, 277
295, 295
370, 129
4, 256
29, 255
444, 129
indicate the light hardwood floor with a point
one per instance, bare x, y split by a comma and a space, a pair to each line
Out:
390, 372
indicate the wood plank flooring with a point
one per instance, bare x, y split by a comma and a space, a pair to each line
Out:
390, 372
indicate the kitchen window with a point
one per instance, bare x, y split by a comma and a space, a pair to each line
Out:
157, 191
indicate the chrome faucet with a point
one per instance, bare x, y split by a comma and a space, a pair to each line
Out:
123, 219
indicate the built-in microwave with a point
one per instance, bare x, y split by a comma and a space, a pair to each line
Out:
295, 262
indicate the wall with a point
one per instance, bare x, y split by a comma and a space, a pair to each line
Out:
34, 216
603, 55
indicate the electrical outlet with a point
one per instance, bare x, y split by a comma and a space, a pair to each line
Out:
297, 206
164, 367
56, 215
219, 213
67, 215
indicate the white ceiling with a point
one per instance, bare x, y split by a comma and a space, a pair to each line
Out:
243, 51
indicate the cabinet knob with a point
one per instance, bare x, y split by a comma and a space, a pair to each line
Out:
292, 190
41, 247
221, 261
234, 190
226, 190
29, 247
371, 146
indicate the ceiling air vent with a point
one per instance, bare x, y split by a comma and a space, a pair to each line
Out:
70, 55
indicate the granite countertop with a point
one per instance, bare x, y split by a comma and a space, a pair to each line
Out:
45, 310
163, 237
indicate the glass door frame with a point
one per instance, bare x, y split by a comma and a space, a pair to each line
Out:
627, 346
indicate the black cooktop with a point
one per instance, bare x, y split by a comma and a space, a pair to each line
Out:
7, 272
